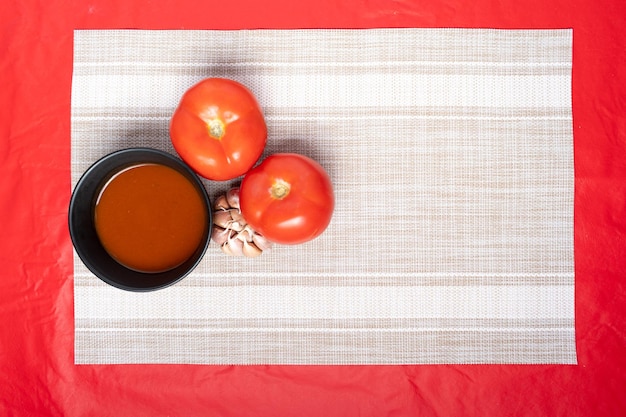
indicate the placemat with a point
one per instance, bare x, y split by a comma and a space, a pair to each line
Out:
451, 155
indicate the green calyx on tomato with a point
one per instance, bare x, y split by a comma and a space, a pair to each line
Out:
288, 198
218, 129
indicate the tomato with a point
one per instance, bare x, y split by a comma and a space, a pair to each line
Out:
288, 198
218, 129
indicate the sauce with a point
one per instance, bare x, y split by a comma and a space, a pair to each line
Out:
150, 218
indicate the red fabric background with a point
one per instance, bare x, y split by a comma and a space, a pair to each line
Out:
37, 374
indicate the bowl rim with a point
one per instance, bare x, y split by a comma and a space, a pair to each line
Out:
88, 187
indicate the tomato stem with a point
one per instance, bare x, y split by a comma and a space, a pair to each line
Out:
217, 129
280, 189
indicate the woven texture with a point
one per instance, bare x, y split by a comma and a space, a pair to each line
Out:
451, 155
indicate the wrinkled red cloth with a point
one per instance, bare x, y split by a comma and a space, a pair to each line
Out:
38, 376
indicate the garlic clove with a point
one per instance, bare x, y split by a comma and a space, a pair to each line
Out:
233, 247
237, 216
239, 222
246, 234
220, 235
226, 249
221, 203
223, 219
232, 196
250, 250
261, 242
237, 226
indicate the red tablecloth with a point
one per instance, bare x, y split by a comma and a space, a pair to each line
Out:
38, 376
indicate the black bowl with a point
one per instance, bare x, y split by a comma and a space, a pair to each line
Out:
83, 231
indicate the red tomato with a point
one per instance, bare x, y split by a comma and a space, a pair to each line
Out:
288, 198
218, 129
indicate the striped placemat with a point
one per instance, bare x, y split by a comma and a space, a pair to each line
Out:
451, 154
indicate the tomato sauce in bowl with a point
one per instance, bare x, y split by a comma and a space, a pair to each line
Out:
150, 218
140, 219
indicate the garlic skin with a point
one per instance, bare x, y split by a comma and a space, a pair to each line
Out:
260, 242
220, 235
221, 203
232, 197
233, 247
251, 250
230, 230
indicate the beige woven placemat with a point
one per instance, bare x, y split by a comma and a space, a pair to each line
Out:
451, 154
